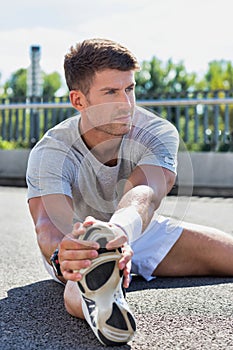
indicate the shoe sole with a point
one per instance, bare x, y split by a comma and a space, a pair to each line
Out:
103, 302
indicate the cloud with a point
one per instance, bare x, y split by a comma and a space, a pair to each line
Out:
195, 32
15, 53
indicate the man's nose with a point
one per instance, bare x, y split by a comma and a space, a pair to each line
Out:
124, 98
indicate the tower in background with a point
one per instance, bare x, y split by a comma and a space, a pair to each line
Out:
34, 76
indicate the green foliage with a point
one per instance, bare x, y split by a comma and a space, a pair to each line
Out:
9, 145
51, 83
16, 86
219, 75
157, 78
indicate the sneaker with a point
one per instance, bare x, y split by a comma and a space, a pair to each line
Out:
103, 302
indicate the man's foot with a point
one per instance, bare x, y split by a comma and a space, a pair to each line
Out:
103, 302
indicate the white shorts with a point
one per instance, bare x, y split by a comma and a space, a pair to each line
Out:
149, 249
153, 245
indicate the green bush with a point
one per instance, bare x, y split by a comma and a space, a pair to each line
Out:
8, 145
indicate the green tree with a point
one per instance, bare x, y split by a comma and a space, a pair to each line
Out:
16, 86
156, 77
219, 76
177, 79
51, 83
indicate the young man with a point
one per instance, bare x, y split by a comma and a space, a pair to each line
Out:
95, 182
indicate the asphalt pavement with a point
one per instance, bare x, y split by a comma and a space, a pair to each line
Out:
171, 313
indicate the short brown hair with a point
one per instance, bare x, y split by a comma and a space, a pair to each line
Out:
93, 55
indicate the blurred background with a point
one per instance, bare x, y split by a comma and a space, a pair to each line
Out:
186, 53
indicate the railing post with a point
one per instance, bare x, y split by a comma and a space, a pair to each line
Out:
3, 124
196, 122
186, 127
34, 124
216, 124
206, 123
226, 136
177, 116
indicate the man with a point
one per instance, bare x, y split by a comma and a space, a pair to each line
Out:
94, 184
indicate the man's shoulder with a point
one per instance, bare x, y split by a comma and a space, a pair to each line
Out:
65, 132
151, 121
70, 124
59, 139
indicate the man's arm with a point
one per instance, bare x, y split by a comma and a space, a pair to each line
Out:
143, 193
53, 219
145, 189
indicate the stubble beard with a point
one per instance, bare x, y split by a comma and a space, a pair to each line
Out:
115, 129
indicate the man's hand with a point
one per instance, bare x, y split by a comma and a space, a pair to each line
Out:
121, 240
75, 254
125, 264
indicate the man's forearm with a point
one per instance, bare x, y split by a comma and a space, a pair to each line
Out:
49, 236
145, 189
135, 211
144, 200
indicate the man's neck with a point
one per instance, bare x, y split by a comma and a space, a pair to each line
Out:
103, 146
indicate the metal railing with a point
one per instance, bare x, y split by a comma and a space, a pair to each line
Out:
204, 123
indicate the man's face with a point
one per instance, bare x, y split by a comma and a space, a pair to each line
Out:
111, 101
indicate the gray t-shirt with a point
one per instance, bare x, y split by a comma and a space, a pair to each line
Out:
61, 163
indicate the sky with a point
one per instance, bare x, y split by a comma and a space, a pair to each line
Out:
195, 32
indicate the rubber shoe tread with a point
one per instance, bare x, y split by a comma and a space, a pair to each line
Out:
103, 302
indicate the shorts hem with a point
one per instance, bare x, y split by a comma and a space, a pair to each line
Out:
152, 247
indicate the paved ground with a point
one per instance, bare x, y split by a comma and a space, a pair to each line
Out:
179, 313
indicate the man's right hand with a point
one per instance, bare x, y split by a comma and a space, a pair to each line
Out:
75, 254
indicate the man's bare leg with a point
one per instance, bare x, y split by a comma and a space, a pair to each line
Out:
200, 251
72, 299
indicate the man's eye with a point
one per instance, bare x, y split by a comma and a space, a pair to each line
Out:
111, 92
129, 89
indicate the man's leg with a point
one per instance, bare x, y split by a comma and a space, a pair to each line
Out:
72, 299
200, 251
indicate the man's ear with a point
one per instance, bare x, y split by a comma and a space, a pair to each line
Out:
77, 99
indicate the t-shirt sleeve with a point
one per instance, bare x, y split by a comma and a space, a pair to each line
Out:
50, 171
160, 143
